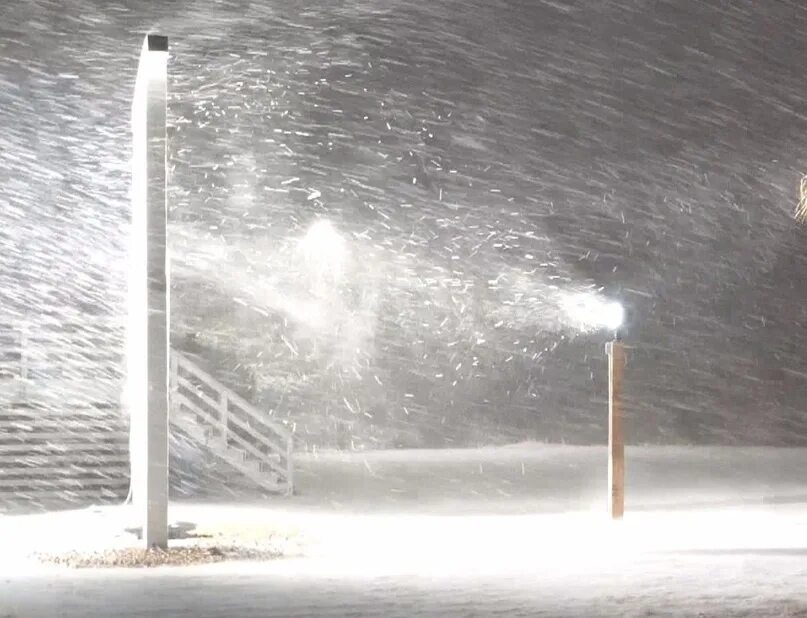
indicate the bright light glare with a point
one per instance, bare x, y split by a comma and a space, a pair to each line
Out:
325, 253
613, 315
590, 312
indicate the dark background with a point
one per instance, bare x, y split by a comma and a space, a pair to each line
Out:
473, 160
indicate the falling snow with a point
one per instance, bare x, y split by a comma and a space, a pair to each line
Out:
412, 225
473, 177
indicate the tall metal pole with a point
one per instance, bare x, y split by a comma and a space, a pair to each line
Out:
147, 333
616, 437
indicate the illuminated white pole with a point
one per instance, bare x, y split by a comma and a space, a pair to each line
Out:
147, 333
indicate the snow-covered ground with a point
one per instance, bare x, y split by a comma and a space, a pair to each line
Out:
514, 531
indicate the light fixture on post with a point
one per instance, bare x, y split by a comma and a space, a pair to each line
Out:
590, 312
147, 329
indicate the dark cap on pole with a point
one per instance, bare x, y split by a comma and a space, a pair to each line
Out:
157, 43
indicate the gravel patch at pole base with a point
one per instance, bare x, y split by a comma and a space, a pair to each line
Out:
189, 544
148, 558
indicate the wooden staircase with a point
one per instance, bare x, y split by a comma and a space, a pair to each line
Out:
64, 438
231, 427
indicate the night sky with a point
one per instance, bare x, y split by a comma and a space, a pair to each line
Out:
462, 165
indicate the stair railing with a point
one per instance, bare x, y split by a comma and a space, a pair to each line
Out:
228, 420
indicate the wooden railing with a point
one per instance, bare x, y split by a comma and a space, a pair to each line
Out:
63, 433
232, 425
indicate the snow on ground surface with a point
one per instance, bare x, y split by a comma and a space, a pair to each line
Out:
514, 531
542, 478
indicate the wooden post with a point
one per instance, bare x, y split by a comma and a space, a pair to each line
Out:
147, 336
616, 437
